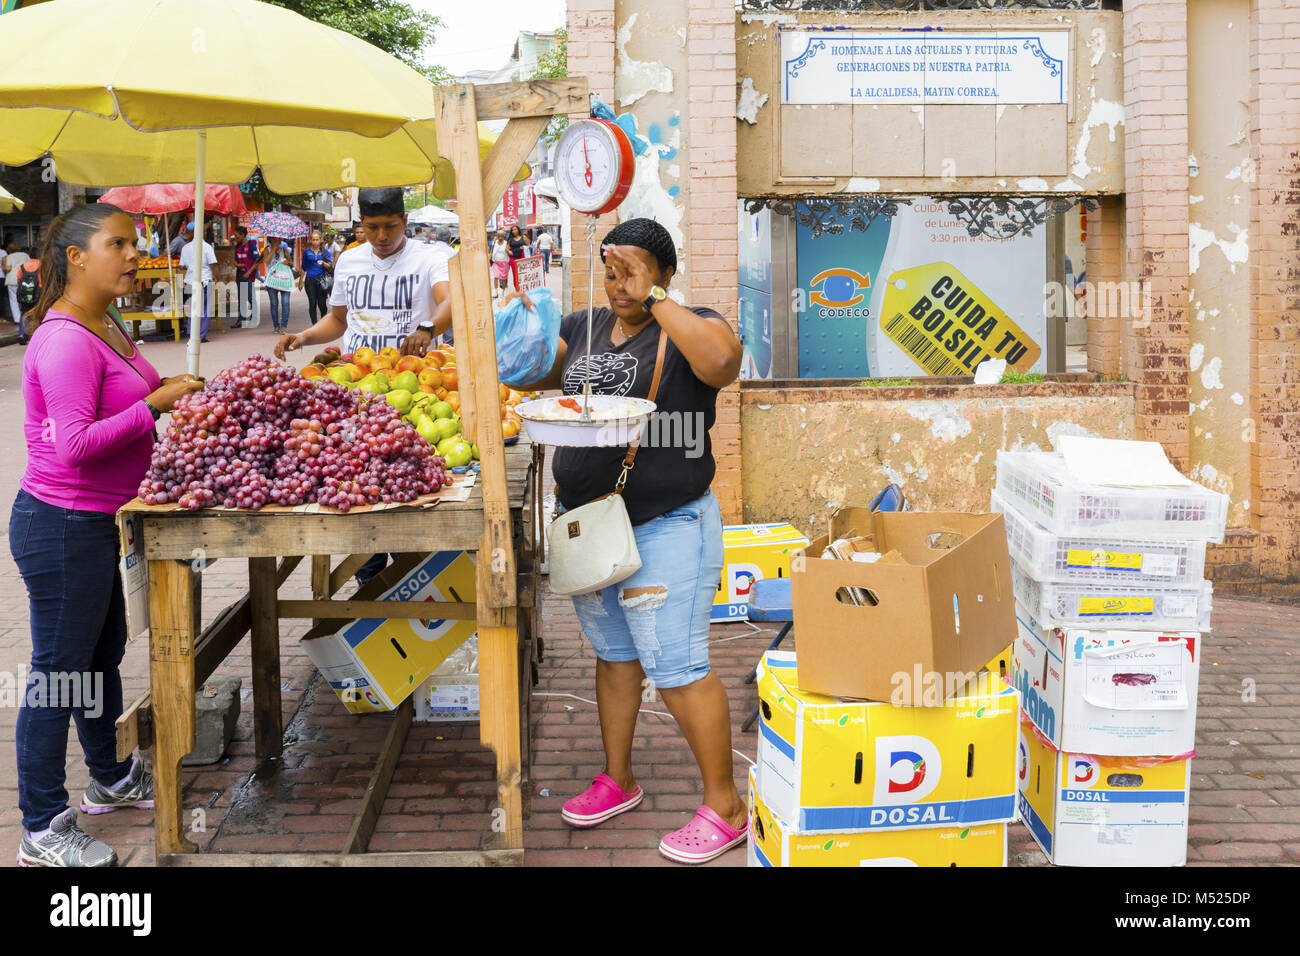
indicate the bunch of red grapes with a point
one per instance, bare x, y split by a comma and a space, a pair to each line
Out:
259, 433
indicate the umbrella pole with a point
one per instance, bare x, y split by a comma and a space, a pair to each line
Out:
196, 285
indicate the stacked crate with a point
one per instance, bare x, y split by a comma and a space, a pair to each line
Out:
1111, 606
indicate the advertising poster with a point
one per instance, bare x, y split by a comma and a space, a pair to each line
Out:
754, 280
510, 207
917, 295
528, 273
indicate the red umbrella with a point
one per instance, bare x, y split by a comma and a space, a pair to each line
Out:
162, 198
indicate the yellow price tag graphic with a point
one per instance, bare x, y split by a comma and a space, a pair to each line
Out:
1115, 560
1116, 605
948, 326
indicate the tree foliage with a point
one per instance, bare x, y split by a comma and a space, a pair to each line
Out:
393, 26
554, 65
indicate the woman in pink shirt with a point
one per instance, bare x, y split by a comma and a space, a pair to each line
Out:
91, 403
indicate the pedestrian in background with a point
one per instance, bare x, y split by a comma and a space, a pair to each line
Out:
91, 403
200, 256
278, 260
246, 262
14, 257
544, 245
317, 267
500, 264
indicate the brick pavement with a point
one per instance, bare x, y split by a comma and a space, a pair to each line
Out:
1245, 787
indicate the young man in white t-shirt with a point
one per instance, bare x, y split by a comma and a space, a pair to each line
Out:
390, 292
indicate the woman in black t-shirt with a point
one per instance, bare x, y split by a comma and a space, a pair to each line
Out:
656, 623
518, 243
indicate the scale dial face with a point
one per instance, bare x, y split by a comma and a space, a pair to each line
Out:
593, 166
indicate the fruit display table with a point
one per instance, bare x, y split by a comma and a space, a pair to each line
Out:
178, 544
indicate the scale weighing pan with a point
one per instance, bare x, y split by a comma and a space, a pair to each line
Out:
611, 425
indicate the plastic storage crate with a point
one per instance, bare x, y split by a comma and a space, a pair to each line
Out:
1113, 606
1039, 484
1048, 556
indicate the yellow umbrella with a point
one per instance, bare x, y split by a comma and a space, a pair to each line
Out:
145, 91
8, 201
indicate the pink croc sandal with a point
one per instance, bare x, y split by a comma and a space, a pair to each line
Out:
601, 801
705, 838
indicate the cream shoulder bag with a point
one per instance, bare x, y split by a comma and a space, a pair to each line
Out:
593, 546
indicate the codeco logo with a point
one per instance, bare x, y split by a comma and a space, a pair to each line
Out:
907, 769
1084, 771
836, 291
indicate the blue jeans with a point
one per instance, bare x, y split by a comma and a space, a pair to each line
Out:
667, 628
279, 309
69, 562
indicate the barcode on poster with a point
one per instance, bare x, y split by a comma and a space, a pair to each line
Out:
924, 350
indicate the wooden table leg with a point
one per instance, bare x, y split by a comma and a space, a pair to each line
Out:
268, 721
498, 657
173, 627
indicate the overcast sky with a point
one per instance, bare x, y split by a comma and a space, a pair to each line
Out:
479, 34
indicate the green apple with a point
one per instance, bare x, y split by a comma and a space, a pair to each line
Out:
441, 410
400, 399
408, 381
461, 453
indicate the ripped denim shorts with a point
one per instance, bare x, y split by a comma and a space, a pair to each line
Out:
660, 615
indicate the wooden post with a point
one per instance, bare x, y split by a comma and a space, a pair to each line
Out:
173, 626
498, 636
268, 729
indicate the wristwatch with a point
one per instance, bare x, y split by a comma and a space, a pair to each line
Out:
657, 294
425, 327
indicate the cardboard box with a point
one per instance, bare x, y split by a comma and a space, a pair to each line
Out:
752, 552
450, 693
828, 765
1130, 693
773, 842
1087, 810
947, 608
1000, 664
373, 665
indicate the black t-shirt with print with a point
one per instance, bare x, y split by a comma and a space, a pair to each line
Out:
675, 462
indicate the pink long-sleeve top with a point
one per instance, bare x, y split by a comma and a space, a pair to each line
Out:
89, 433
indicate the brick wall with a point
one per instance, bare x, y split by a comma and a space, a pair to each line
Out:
1275, 292
1105, 264
707, 157
1156, 180
711, 154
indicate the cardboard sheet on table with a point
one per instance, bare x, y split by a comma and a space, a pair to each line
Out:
459, 490
1109, 461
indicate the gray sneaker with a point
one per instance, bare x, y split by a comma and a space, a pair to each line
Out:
136, 792
65, 845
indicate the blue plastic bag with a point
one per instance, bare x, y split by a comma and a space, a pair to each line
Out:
527, 339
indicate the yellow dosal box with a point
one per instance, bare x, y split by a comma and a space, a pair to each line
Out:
752, 552
829, 765
772, 842
1092, 810
373, 665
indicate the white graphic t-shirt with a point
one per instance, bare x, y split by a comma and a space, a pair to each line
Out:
386, 298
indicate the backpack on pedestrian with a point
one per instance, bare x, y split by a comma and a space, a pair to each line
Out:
29, 285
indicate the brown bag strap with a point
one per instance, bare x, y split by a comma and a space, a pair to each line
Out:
630, 458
